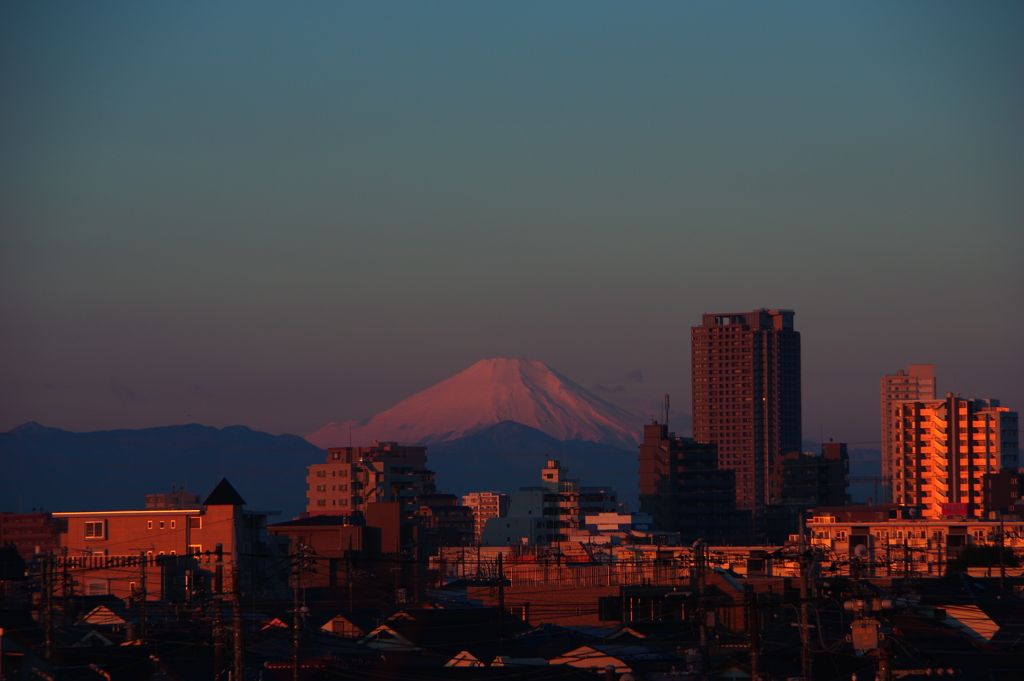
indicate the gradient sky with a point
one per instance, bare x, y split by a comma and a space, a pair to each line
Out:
285, 214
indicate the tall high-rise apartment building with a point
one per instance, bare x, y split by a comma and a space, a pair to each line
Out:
916, 384
746, 395
943, 449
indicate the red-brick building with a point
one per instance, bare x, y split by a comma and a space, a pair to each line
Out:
746, 395
109, 552
31, 533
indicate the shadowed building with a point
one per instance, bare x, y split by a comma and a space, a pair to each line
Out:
746, 395
802, 481
684, 491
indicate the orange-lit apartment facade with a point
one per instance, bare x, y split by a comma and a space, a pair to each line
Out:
916, 383
943, 448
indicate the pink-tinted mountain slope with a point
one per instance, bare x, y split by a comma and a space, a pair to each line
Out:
489, 392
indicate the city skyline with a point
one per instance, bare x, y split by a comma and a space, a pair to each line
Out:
289, 216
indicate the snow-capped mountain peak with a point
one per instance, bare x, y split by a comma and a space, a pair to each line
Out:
491, 391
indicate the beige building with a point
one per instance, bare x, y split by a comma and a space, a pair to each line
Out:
942, 449
485, 505
916, 384
355, 476
890, 540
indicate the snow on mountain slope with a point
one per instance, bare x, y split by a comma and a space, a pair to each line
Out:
491, 391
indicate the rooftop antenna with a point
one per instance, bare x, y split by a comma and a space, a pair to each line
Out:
666, 410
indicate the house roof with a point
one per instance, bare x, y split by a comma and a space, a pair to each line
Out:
224, 495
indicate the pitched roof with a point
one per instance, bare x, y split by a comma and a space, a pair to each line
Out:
224, 495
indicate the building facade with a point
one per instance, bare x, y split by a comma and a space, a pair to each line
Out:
943, 449
549, 513
353, 477
746, 395
168, 554
684, 490
31, 533
891, 540
916, 384
485, 505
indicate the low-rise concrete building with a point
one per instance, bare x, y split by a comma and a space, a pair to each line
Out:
548, 513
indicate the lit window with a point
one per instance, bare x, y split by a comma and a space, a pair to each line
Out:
95, 529
174, 523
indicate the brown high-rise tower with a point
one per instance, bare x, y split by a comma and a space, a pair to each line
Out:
746, 394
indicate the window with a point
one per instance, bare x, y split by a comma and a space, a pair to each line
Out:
321, 502
149, 524
321, 488
195, 523
161, 524
95, 529
195, 549
174, 523
321, 474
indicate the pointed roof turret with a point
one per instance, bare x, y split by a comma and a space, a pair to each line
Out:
224, 495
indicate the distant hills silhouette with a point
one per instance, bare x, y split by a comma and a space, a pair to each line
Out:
59, 470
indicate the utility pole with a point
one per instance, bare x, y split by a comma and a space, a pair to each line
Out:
805, 650
348, 573
501, 600
299, 566
754, 630
236, 616
1002, 548
66, 585
45, 596
218, 604
699, 558
142, 596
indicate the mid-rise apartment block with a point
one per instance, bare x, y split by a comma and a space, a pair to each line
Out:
353, 477
549, 513
916, 384
684, 490
943, 449
31, 533
746, 395
485, 505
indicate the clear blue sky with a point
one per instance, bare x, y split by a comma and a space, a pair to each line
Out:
284, 214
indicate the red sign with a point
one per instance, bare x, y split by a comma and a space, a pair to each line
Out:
954, 509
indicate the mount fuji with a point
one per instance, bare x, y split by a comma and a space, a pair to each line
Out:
490, 392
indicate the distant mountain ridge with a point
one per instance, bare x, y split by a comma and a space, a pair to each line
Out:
61, 470
490, 392
509, 437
